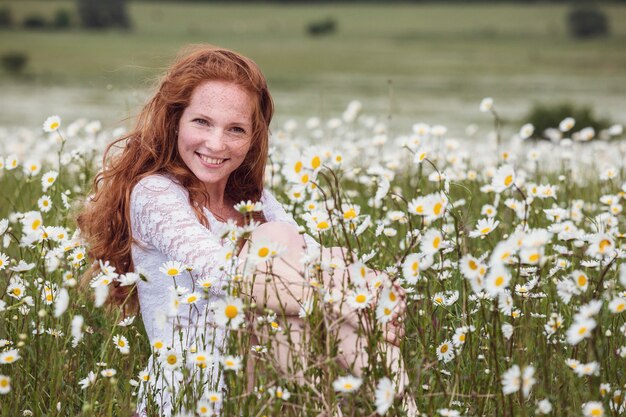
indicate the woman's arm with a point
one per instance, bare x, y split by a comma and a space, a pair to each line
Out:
162, 217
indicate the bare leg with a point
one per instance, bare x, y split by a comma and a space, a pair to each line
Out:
285, 289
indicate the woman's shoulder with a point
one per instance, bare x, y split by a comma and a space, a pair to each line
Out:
158, 183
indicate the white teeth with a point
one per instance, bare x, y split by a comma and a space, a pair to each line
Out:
212, 161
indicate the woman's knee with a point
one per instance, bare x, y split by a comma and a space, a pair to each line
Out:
278, 232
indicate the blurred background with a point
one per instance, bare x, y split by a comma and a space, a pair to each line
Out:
406, 62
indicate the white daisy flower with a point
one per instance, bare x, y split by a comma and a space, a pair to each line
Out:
347, 383
229, 312
52, 124
231, 363
172, 268
384, 395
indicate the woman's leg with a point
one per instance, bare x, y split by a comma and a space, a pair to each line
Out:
286, 288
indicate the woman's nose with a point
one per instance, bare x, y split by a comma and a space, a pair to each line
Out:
215, 139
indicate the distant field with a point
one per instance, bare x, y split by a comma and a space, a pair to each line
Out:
441, 60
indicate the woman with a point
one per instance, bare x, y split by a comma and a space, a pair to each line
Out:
200, 147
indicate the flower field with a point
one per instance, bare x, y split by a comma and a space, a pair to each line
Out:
510, 250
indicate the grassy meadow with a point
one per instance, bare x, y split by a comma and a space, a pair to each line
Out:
511, 251
410, 63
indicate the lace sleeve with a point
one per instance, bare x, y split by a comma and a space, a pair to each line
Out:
274, 211
162, 217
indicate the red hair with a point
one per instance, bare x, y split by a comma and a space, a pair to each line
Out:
152, 148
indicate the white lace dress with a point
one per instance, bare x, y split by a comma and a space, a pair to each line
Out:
166, 228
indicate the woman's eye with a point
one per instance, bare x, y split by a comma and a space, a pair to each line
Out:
200, 121
239, 130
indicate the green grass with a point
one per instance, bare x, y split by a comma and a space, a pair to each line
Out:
441, 58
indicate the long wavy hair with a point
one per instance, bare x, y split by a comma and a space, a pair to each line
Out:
151, 148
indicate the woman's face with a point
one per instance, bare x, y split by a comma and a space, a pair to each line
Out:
215, 132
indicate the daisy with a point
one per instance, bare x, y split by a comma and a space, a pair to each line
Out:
586, 369
32, 221
418, 206
484, 227
48, 179
4, 260
52, 124
497, 280
231, 363
544, 407
593, 409
248, 207
89, 380
229, 312
567, 124
486, 104
460, 335
528, 380
191, 298
350, 213
503, 178
432, 242
347, 383
600, 245
511, 380
214, 397
617, 305
108, 373
204, 408
279, 392
413, 265
264, 251
32, 168
579, 330
158, 345
526, 131
5, 384
11, 162
359, 298
16, 290
384, 395
171, 359
121, 343
61, 303
580, 280
472, 267
445, 351
384, 312
45, 204
199, 359
9, 356
172, 268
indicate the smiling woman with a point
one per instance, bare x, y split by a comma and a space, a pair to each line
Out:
166, 206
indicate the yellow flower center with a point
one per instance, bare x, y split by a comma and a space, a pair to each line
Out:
444, 348
158, 345
582, 280
392, 296
620, 307
582, 330
596, 412
485, 230
387, 311
499, 281
508, 180
171, 359
604, 245
17, 291
419, 209
4, 383
462, 337
36, 224
436, 242
172, 271
347, 385
304, 179
322, 225
316, 162
360, 298
9, 359
437, 208
263, 252
473, 265
349, 214
231, 311
54, 126
534, 257
298, 167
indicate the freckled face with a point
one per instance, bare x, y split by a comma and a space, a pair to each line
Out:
215, 132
